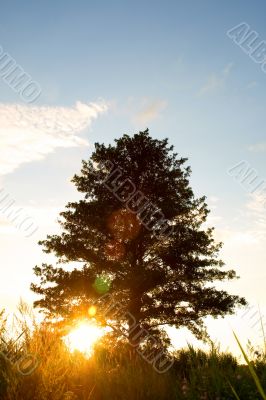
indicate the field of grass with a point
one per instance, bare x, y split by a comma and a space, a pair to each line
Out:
118, 373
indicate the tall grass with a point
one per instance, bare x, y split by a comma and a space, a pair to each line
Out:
117, 373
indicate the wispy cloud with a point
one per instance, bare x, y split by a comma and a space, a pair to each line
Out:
259, 147
253, 230
150, 110
216, 81
256, 210
29, 133
247, 228
256, 204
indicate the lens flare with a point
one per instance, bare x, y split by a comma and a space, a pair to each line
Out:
83, 337
114, 250
124, 225
92, 311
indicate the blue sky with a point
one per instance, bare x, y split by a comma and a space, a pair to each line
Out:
166, 65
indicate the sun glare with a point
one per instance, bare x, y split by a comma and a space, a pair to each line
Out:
83, 337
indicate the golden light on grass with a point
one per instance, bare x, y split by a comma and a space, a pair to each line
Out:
83, 337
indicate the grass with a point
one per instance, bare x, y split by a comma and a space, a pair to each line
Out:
117, 373
251, 370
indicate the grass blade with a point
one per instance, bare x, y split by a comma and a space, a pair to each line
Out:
263, 332
233, 390
251, 369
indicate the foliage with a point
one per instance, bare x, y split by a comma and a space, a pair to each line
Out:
157, 278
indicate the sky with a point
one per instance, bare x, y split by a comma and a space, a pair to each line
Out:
105, 68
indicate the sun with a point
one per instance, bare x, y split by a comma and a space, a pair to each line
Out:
83, 337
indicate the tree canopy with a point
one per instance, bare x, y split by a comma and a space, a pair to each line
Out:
139, 235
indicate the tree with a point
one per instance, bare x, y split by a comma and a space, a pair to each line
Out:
138, 234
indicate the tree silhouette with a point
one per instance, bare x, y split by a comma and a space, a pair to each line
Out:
138, 236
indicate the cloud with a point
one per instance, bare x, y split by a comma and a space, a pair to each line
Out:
256, 203
259, 147
230, 236
248, 227
150, 111
257, 213
253, 218
29, 133
216, 81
